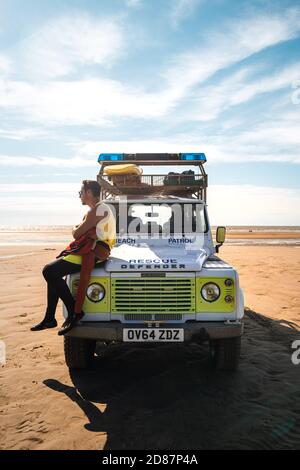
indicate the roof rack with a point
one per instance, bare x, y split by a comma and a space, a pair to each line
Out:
185, 184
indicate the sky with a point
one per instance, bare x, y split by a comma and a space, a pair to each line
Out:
82, 77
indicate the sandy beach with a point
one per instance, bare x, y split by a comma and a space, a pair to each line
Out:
151, 397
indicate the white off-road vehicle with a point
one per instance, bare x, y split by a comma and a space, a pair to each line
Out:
163, 281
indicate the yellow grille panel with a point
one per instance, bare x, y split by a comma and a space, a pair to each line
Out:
163, 295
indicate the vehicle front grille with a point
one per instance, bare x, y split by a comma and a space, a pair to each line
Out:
153, 295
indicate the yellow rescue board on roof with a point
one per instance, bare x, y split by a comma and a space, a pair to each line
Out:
124, 169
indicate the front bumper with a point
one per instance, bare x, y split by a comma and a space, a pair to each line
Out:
193, 331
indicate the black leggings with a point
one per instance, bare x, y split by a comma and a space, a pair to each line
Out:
57, 286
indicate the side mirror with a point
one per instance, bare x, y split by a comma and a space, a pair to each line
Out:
220, 237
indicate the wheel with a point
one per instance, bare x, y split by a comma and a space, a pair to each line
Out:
79, 352
225, 353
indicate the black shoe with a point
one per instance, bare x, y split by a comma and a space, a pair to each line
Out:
43, 325
70, 323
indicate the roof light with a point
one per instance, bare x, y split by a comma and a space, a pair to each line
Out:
103, 157
193, 156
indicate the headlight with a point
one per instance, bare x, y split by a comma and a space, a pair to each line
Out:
210, 292
95, 292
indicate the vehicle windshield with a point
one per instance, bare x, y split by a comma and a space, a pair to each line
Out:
159, 219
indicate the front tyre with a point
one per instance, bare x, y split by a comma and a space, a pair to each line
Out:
79, 352
225, 353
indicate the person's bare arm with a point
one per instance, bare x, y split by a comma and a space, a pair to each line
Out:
89, 222
76, 226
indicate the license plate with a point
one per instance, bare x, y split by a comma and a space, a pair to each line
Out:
160, 335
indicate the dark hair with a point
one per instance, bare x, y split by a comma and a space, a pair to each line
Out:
94, 186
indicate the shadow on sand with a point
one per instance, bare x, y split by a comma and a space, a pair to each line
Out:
167, 397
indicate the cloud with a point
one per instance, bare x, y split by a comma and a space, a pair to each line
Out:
25, 161
132, 146
86, 153
235, 42
87, 102
227, 204
5, 65
209, 102
252, 205
30, 188
273, 138
23, 134
102, 101
64, 44
133, 3
29, 208
181, 9
40, 203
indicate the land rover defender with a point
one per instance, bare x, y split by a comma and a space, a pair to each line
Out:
164, 281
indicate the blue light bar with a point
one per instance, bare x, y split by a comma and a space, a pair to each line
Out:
193, 156
110, 157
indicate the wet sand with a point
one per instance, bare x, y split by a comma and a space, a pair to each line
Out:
151, 397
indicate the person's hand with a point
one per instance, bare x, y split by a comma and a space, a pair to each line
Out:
74, 228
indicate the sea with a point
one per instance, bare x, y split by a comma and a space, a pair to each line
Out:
48, 235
